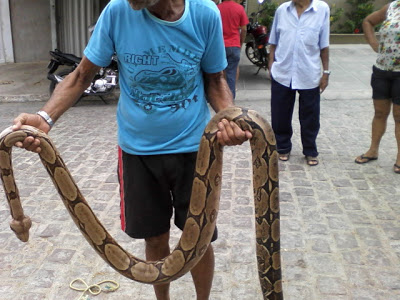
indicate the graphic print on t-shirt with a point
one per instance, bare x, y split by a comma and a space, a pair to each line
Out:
162, 79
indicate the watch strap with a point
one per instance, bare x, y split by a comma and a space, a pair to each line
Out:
45, 116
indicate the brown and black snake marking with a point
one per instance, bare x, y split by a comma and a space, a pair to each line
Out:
202, 214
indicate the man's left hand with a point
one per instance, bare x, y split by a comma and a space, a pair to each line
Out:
323, 83
230, 134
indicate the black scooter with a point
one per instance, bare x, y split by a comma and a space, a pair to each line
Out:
104, 83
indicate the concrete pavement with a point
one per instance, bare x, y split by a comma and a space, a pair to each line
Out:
350, 65
340, 221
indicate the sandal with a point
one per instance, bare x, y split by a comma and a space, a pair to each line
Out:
364, 159
284, 156
312, 161
396, 169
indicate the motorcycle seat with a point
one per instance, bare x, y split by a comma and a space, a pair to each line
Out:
65, 56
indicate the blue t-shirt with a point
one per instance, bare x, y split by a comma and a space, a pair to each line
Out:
162, 107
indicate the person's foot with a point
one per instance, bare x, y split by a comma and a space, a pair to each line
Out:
284, 156
363, 159
396, 168
312, 161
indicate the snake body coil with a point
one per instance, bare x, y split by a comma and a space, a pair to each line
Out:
202, 214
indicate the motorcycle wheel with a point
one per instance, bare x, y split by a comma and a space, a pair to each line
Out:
62, 74
265, 57
252, 54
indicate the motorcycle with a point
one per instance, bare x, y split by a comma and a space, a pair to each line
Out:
105, 81
257, 49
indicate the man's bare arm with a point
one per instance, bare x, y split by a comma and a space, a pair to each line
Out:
64, 96
243, 33
217, 91
325, 65
70, 89
220, 97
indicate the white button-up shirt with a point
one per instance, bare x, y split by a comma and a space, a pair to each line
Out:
299, 42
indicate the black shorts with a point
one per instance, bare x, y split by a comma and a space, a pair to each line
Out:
385, 85
152, 189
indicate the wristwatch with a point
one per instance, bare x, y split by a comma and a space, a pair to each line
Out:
327, 72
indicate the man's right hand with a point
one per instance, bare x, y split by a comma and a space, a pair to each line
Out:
30, 143
64, 96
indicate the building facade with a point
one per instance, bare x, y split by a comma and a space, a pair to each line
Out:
30, 29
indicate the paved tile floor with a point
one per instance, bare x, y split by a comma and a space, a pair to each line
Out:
340, 221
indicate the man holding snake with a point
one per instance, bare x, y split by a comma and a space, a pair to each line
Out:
171, 59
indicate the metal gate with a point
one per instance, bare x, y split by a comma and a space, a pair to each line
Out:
74, 17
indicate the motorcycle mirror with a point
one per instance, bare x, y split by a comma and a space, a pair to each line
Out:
91, 28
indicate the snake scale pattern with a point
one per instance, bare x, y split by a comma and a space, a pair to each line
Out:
202, 214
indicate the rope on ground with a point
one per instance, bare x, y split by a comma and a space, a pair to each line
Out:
80, 285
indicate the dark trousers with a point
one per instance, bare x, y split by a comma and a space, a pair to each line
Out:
233, 58
282, 106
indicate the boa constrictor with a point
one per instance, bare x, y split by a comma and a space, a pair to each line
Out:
202, 214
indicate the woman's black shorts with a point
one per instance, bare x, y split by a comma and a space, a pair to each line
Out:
385, 85
153, 188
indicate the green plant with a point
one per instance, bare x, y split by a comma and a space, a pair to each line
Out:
267, 16
336, 14
355, 17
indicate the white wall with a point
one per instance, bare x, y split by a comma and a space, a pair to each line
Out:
75, 17
6, 45
31, 31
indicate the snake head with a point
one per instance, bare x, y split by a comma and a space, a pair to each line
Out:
21, 228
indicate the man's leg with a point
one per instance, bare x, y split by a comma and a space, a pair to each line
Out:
282, 105
157, 248
233, 58
203, 274
237, 78
309, 112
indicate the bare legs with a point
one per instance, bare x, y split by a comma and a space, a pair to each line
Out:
158, 248
203, 273
382, 111
396, 116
